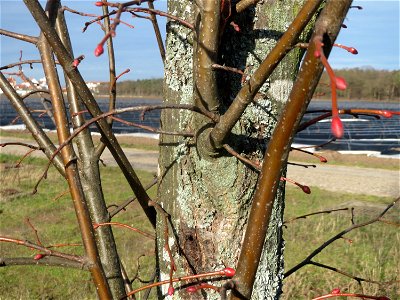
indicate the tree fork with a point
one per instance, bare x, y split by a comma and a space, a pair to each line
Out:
275, 157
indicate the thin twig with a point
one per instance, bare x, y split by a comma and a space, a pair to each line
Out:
356, 278
308, 259
45, 250
19, 36
328, 211
150, 236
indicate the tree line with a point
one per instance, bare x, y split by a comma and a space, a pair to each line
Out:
141, 87
362, 83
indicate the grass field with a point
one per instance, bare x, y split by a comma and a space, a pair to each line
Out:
373, 253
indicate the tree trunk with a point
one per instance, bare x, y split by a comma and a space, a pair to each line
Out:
208, 196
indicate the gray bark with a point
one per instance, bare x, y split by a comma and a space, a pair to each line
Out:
208, 197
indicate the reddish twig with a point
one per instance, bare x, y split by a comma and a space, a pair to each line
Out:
47, 251
61, 195
123, 205
362, 296
229, 69
166, 216
152, 129
19, 162
227, 272
257, 167
148, 235
34, 230
320, 157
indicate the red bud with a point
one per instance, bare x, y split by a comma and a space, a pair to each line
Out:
341, 84
335, 291
99, 3
322, 159
387, 114
75, 63
317, 54
235, 26
171, 290
38, 256
337, 127
191, 289
353, 50
229, 272
306, 189
99, 50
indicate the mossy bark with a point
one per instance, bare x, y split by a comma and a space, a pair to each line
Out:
208, 198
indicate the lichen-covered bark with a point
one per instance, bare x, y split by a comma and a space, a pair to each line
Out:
208, 197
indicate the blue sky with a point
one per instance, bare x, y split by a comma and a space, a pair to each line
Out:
373, 31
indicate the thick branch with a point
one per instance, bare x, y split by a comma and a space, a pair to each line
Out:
276, 155
252, 86
70, 161
205, 83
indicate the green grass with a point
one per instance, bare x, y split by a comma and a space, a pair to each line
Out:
55, 221
373, 253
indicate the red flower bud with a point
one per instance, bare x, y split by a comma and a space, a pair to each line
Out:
353, 50
38, 256
171, 290
191, 289
337, 127
99, 3
306, 189
99, 50
341, 84
235, 26
229, 272
317, 54
75, 63
387, 114
322, 159
335, 291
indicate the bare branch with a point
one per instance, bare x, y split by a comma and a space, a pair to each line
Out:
49, 261
24, 62
328, 211
356, 278
308, 259
45, 250
19, 36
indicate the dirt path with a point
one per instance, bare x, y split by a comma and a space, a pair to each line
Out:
355, 180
